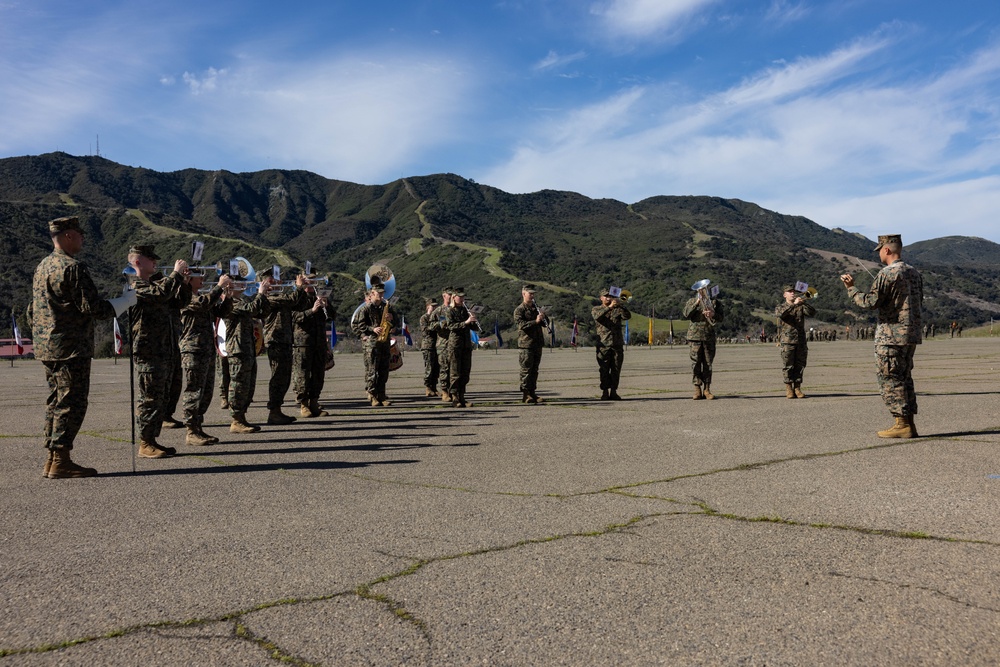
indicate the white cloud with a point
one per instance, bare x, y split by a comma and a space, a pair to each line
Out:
347, 118
647, 18
821, 128
782, 12
554, 61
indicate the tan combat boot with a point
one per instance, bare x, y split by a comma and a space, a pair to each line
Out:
698, 395
317, 410
903, 428
240, 424
223, 403
789, 391
152, 450
278, 418
196, 438
63, 468
446, 397
708, 394
48, 465
305, 410
429, 392
798, 390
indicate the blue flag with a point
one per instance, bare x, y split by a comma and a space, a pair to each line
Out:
475, 338
496, 331
626, 332
333, 335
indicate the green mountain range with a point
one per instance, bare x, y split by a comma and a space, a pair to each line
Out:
443, 229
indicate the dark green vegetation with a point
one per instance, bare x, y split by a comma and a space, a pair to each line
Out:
444, 229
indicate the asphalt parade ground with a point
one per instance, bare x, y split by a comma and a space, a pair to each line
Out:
749, 530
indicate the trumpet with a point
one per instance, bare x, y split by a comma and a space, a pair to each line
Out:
218, 268
701, 287
626, 296
810, 293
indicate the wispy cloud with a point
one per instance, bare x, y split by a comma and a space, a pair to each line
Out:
783, 12
815, 128
647, 18
554, 61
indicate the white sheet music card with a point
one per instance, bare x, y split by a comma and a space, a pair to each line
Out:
801, 286
197, 249
309, 268
277, 273
615, 292
234, 267
714, 292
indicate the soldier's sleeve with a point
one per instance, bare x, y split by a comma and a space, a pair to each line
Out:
521, 320
598, 312
85, 296
358, 324
720, 311
692, 311
808, 309
626, 314
873, 297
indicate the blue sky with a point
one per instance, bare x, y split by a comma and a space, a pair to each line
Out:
875, 116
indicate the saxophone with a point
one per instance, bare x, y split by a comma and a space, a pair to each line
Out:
386, 325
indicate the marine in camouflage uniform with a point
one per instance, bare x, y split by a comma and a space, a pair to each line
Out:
459, 323
377, 353
241, 351
444, 357
429, 331
278, 342
198, 354
176, 385
309, 355
897, 294
608, 317
530, 324
62, 311
154, 347
792, 314
701, 343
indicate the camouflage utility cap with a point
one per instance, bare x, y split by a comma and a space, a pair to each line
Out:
430, 302
144, 250
888, 238
787, 288
458, 291
528, 288
605, 292
60, 225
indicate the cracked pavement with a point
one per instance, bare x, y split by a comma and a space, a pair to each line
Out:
750, 530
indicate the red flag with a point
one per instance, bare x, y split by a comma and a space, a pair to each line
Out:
17, 335
119, 343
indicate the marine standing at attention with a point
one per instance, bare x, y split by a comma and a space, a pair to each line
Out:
792, 316
897, 294
611, 344
459, 322
64, 305
530, 323
444, 358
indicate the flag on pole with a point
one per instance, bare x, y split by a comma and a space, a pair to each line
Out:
496, 331
650, 341
119, 342
671, 331
552, 333
626, 333
475, 337
17, 335
406, 332
333, 335
576, 332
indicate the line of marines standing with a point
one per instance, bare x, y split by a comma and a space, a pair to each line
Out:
172, 327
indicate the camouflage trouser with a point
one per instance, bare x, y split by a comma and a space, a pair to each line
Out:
609, 362
198, 372
175, 387
444, 361
702, 356
793, 361
155, 376
895, 378
460, 369
242, 382
529, 359
223, 377
432, 368
66, 405
308, 372
376, 366
281, 375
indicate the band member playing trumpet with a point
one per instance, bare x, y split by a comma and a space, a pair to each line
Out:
309, 355
530, 323
792, 316
897, 293
611, 344
373, 325
153, 344
429, 333
198, 354
703, 312
278, 342
459, 323
444, 358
